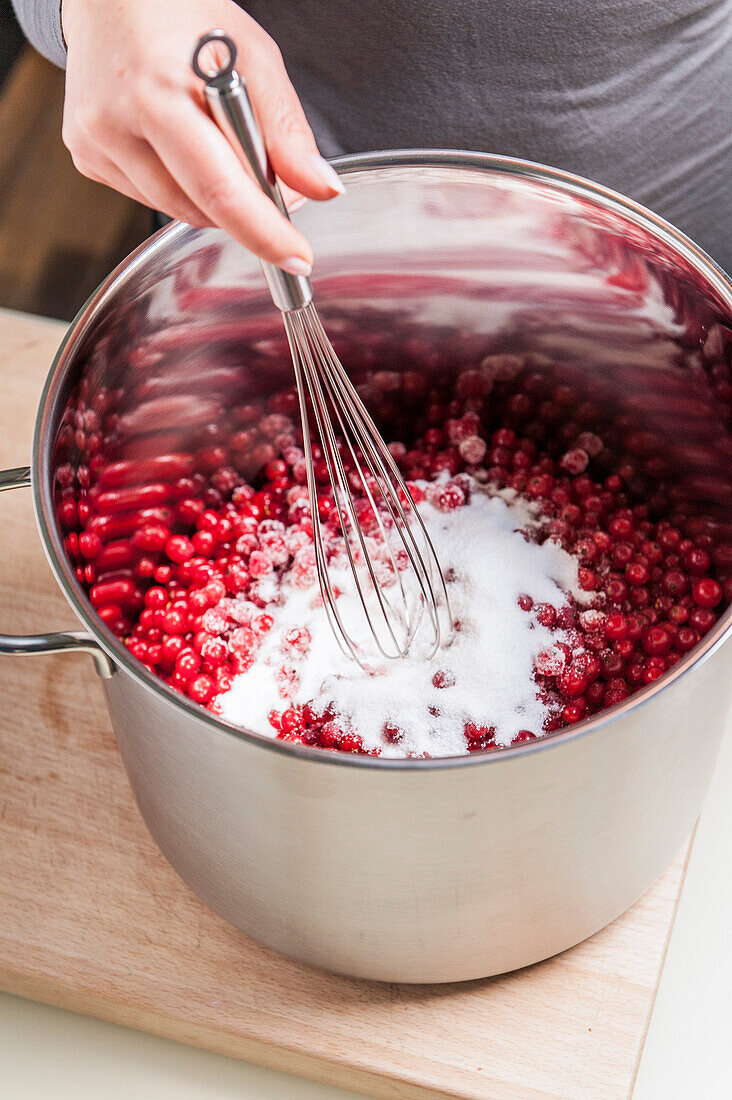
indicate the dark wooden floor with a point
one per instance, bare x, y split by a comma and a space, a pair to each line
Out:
60, 234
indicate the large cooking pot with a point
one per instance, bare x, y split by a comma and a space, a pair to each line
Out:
447, 869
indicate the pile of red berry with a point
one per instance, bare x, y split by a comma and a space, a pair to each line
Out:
178, 550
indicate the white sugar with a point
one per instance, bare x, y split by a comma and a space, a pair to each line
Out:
491, 659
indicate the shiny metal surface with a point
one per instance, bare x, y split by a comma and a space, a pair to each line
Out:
229, 103
425, 875
63, 641
427, 870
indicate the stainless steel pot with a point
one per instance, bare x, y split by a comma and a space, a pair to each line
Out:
428, 870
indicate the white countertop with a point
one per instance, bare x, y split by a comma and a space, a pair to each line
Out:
48, 1054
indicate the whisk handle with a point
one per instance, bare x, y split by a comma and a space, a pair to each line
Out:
231, 109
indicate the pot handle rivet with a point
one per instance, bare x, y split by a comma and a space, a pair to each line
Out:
63, 641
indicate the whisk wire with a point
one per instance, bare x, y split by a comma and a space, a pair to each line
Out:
378, 480
344, 503
326, 588
337, 404
321, 377
374, 449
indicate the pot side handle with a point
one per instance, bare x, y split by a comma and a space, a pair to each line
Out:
61, 642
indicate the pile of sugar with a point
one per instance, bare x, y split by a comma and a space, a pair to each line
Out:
488, 666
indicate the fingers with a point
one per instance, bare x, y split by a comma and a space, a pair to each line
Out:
139, 123
149, 176
138, 173
104, 171
199, 158
288, 137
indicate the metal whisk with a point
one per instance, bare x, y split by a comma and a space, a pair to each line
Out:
404, 589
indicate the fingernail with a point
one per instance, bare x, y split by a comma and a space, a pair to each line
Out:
327, 173
296, 204
295, 265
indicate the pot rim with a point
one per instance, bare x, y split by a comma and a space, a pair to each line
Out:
567, 182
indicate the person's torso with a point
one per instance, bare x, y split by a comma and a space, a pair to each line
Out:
632, 93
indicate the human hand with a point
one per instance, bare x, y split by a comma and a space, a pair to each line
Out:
135, 118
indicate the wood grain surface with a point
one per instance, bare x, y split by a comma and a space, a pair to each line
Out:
93, 919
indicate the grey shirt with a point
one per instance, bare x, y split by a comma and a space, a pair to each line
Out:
635, 94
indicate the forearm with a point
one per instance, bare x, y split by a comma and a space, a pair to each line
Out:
41, 23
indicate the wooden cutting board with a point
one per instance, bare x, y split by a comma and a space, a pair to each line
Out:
93, 919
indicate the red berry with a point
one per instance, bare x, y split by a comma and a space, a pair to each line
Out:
574, 711
262, 623
550, 662
616, 625
702, 619
595, 692
392, 733
656, 640
588, 579
174, 621
686, 638
636, 573
121, 591
621, 527
90, 544
330, 734
259, 564
298, 638
678, 614
523, 735
151, 537
674, 582
208, 521
546, 614
589, 664
201, 688
203, 543
179, 549
616, 690
291, 721
621, 554
156, 598
669, 538
187, 663
696, 560
351, 742
449, 498
624, 647
706, 593
571, 682
616, 590
575, 461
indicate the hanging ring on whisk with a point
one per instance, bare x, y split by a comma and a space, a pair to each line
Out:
223, 70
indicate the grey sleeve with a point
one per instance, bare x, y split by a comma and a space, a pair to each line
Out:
41, 23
